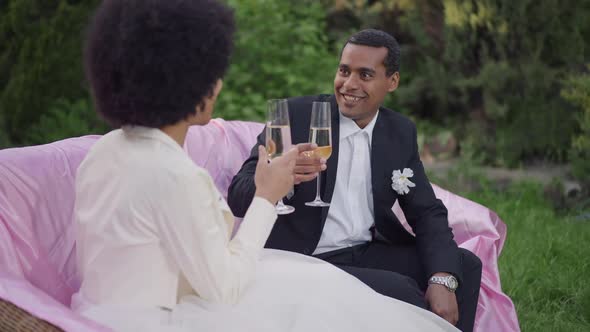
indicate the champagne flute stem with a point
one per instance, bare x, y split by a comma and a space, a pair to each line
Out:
318, 187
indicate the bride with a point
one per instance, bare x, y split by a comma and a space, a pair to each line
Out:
153, 237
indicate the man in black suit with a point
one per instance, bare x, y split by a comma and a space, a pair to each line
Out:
375, 162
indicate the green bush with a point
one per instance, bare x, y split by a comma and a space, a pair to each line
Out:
281, 51
577, 91
65, 119
40, 61
490, 71
501, 71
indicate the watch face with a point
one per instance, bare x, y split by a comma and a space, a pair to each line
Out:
452, 283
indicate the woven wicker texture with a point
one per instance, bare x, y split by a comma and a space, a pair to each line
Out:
14, 319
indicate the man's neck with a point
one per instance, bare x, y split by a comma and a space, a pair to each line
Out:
362, 123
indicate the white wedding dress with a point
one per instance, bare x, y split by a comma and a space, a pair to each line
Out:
155, 254
290, 292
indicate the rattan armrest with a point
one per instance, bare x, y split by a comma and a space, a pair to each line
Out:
15, 319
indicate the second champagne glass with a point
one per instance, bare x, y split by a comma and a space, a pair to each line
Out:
320, 133
278, 138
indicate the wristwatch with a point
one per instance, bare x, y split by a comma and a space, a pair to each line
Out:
449, 281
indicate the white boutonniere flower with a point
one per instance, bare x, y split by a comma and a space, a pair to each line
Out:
400, 181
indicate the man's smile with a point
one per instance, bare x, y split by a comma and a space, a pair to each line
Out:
351, 99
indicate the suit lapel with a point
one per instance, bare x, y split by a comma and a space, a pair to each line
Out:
382, 160
329, 180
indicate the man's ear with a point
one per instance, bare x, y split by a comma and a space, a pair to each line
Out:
393, 82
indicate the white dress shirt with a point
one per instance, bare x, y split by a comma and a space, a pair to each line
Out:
351, 214
153, 227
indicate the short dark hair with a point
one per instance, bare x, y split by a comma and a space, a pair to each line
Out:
378, 38
152, 62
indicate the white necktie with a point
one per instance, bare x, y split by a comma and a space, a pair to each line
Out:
357, 185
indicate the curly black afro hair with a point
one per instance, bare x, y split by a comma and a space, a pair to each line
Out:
152, 62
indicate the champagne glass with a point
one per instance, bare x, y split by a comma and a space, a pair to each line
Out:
320, 133
278, 138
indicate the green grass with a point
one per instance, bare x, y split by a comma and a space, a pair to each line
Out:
545, 263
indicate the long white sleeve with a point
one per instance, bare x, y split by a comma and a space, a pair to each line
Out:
192, 221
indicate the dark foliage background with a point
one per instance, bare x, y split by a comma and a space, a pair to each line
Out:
508, 79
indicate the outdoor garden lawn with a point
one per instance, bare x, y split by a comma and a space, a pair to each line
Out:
545, 263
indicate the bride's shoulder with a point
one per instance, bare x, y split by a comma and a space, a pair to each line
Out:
178, 163
177, 170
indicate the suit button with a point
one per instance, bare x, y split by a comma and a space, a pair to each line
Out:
306, 251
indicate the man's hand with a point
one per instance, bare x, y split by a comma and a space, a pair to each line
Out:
307, 165
442, 301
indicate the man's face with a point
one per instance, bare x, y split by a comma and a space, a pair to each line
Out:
361, 82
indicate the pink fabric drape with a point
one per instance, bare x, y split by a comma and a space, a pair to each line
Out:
37, 261
37, 235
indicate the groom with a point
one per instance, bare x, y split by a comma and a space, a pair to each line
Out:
375, 162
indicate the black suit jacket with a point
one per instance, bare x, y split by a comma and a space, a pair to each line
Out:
394, 147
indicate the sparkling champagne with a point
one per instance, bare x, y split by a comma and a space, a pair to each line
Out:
278, 140
323, 138
323, 152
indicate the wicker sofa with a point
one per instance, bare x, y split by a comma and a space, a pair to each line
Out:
37, 235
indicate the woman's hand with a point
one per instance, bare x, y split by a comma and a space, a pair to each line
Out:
274, 180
